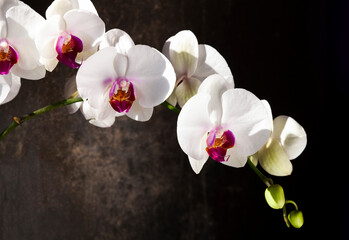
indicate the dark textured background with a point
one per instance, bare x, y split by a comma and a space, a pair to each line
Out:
62, 178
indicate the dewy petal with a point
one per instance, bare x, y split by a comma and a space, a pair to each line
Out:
291, 135
215, 85
96, 75
86, 26
193, 126
187, 89
184, 53
118, 39
151, 74
9, 87
274, 159
246, 116
211, 62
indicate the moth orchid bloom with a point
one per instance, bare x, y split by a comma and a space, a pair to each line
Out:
19, 57
287, 142
193, 63
69, 35
116, 84
225, 124
122, 43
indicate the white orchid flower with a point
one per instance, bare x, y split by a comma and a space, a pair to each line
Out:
193, 63
70, 34
128, 81
122, 43
287, 142
19, 57
224, 123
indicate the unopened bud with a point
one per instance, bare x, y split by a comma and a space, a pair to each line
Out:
275, 196
296, 218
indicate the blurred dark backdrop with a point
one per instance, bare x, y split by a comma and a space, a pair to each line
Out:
62, 178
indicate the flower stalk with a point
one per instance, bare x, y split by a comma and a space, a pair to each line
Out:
19, 120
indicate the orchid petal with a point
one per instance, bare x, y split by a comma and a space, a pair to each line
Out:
84, 5
96, 118
197, 165
215, 85
187, 89
193, 125
139, 113
9, 87
58, 7
86, 26
152, 75
291, 135
96, 75
273, 158
183, 53
246, 116
47, 36
118, 39
34, 74
22, 23
270, 114
210, 62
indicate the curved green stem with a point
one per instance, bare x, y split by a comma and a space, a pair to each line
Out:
19, 120
267, 181
284, 213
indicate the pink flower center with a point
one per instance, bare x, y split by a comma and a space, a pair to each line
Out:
8, 57
122, 95
217, 146
68, 46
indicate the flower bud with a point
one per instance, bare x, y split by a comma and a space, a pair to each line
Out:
296, 218
275, 196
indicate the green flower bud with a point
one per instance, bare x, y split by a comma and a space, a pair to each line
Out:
275, 196
296, 218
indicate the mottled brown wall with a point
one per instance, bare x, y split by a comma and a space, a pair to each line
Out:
62, 178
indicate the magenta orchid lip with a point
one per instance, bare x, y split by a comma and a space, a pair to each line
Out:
68, 46
217, 146
8, 57
122, 95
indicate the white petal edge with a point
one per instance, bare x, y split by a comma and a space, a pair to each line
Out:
184, 53
151, 74
118, 39
211, 62
86, 26
291, 135
193, 124
246, 116
139, 113
10, 85
274, 159
95, 76
197, 165
215, 85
